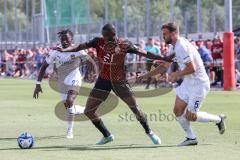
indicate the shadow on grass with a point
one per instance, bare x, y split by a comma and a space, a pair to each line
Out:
36, 138
95, 147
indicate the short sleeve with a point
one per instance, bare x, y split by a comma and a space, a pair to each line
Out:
83, 56
185, 54
93, 42
50, 57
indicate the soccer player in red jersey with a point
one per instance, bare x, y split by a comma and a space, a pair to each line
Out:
111, 52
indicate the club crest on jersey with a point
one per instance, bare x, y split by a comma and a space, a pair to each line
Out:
72, 56
117, 50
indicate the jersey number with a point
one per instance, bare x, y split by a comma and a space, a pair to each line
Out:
107, 58
75, 82
196, 105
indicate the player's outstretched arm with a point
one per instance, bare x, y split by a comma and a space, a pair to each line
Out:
161, 69
90, 44
150, 55
189, 69
75, 48
38, 87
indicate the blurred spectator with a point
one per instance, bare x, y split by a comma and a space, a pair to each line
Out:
237, 77
27, 62
205, 55
140, 59
87, 68
131, 60
149, 62
157, 43
237, 50
1, 64
217, 49
209, 44
193, 42
9, 60
20, 63
164, 48
39, 57
216, 74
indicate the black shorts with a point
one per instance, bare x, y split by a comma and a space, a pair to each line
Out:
103, 87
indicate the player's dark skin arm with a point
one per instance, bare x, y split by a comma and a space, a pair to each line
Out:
150, 55
160, 69
38, 87
75, 48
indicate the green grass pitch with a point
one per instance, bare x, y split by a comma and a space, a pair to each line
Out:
19, 112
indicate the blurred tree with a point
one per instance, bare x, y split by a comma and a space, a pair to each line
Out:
160, 11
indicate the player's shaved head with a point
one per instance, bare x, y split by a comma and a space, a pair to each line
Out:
109, 27
109, 32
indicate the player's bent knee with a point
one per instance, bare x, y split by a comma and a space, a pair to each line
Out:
89, 111
191, 116
88, 114
68, 103
177, 112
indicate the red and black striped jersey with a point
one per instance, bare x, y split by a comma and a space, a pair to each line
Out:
111, 56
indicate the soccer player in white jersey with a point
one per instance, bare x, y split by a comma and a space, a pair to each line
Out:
69, 78
194, 87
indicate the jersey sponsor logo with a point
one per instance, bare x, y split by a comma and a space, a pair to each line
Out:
186, 57
66, 62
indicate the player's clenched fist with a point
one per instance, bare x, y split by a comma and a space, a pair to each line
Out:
38, 89
173, 77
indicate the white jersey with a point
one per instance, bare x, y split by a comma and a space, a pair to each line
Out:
195, 86
186, 52
67, 66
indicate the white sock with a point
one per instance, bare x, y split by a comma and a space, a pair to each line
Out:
79, 109
206, 117
70, 120
186, 126
76, 109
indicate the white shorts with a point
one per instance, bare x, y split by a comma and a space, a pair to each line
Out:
193, 95
72, 87
70, 83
